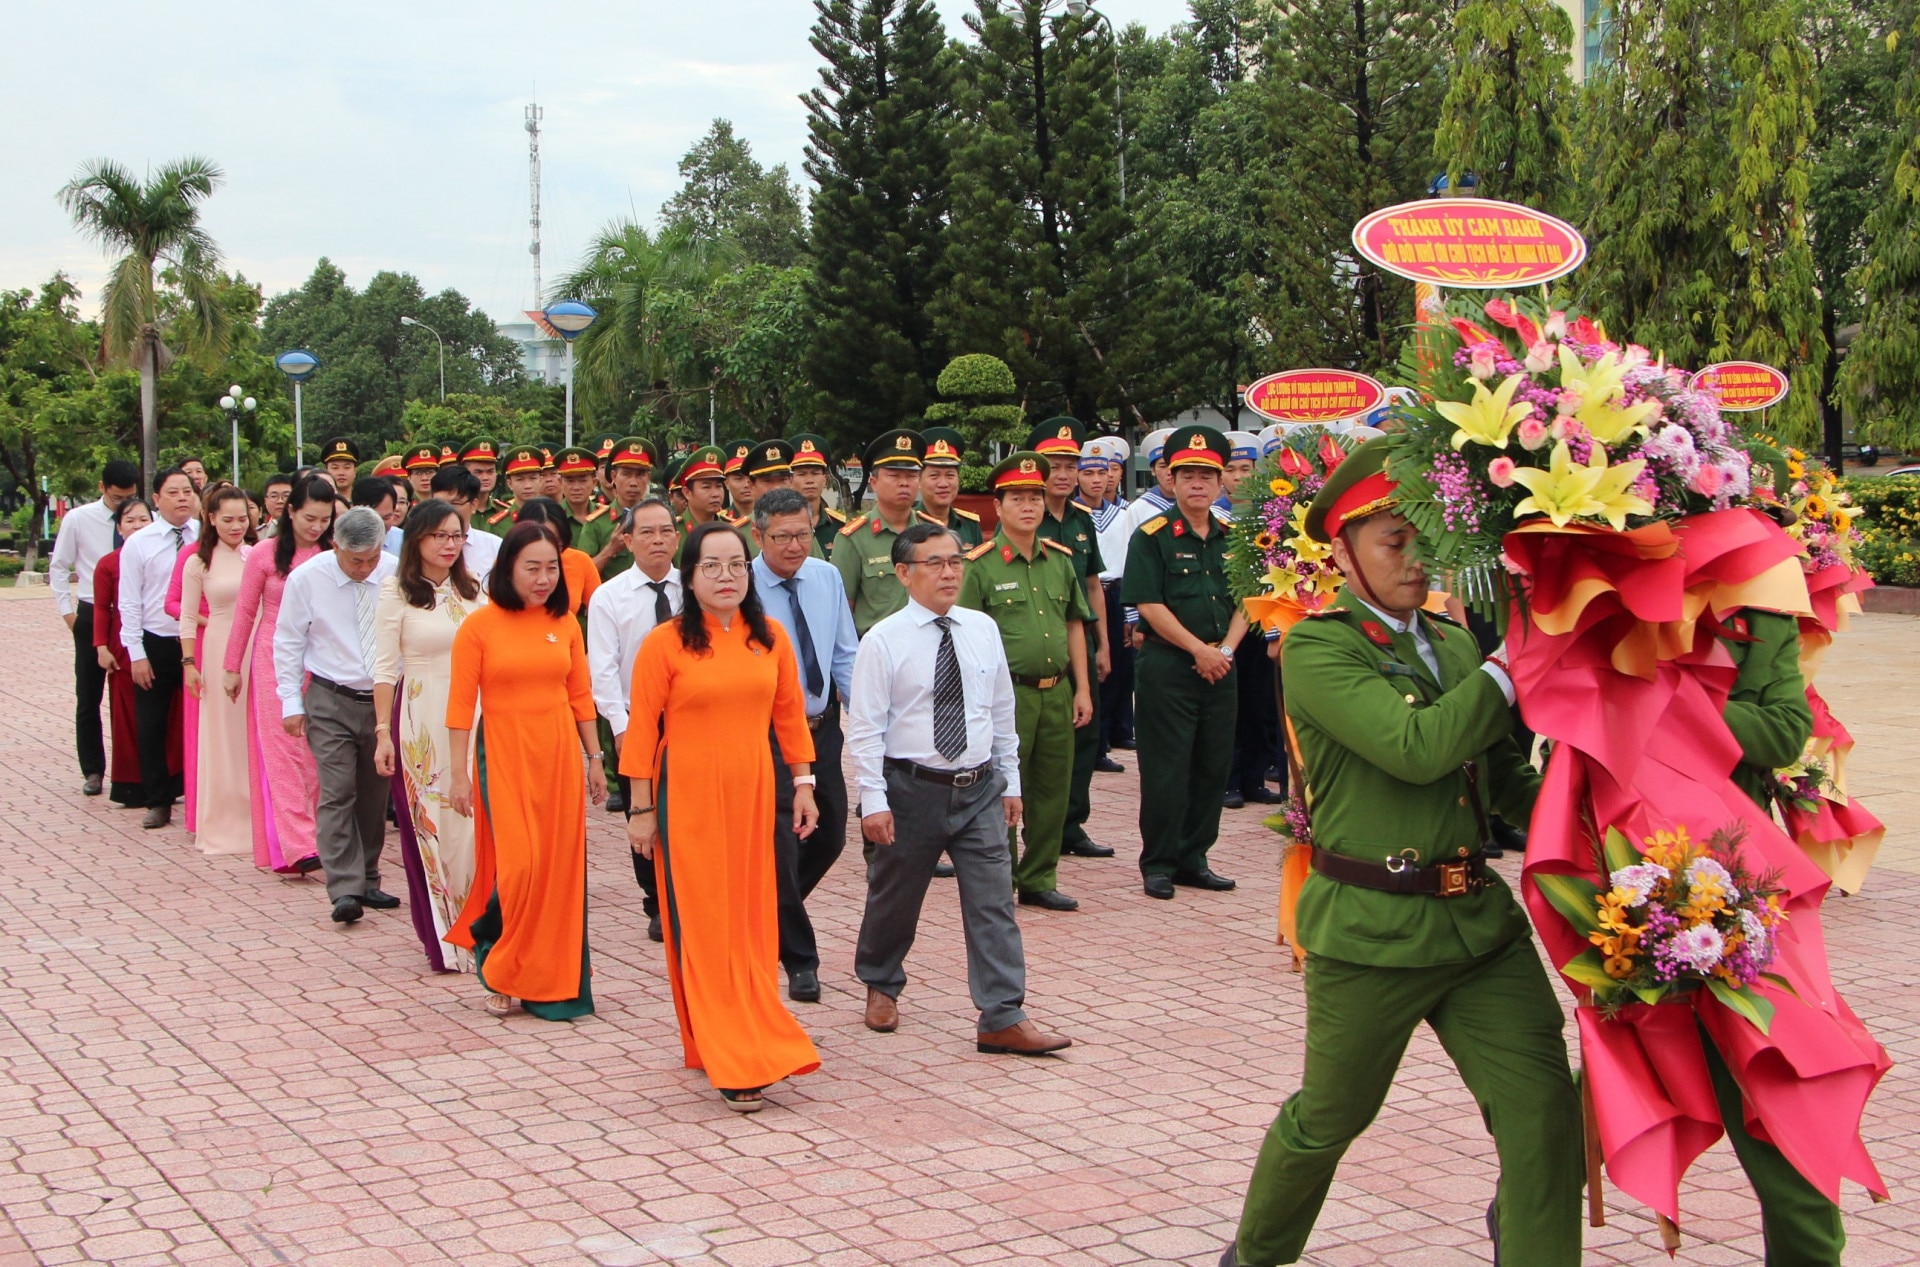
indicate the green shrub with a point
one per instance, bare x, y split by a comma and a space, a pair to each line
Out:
1889, 509
976, 374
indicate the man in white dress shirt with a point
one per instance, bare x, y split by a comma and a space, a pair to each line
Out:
460, 488
937, 764
624, 611
86, 537
326, 630
152, 637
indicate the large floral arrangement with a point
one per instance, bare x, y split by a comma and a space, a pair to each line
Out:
1536, 415
1825, 521
1277, 572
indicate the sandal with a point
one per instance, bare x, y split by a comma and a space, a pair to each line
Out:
747, 1101
498, 1005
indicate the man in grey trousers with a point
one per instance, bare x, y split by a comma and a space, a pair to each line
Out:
937, 765
326, 630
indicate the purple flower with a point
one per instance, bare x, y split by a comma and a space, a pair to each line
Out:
1640, 879
1699, 948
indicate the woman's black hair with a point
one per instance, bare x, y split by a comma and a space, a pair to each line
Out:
500, 582
693, 625
314, 488
424, 518
550, 512
120, 510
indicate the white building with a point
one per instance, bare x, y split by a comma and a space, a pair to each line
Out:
543, 353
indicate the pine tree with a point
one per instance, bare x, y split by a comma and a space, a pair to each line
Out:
878, 155
726, 196
1509, 93
1697, 136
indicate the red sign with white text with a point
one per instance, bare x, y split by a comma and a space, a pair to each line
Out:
1314, 395
1470, 243
1743, 385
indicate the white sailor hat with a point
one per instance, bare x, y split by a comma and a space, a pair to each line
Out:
1243, 446
1155, 444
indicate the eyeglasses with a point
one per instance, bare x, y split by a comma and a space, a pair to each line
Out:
447, 537
787, 538
942, 563
713, 569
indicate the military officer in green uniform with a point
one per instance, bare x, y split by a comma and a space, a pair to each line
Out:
1405, 736
812, 472
522, 465
481, 456
1027, 583
1070, 522
586, 515
771, 466
940, 486
1184, 678
863, 550
703, 480
422, 463
739, 483
629, 466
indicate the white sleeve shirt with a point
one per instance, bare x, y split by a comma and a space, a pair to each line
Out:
319, 628
481, 550
618, 621
146, 569
85, 537
890, 709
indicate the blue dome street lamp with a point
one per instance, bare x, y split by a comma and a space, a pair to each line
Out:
298, 366
571, 318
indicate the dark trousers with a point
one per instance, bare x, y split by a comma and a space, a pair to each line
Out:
643, 873
153, 718
351, 820
1086, 752
89, 685
800, 865
1115, 697
1256, 727
1183, 759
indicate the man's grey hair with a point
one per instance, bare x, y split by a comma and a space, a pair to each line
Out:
774, 503
361, 528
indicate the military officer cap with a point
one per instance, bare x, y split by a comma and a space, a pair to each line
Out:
1155, 444
337, 448
449, 454
899, 448
1025, 469
1197, 446
769, 457
1057, 437
521, 459
574, 461
945, 446
1357, 487
671, 472
421, 457
811, 450
633, 452
393, 464
709, 461
602, 448
1243, 446
738, 451
546, 459
480, 450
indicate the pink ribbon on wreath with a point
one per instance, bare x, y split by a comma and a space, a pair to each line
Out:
1615, 656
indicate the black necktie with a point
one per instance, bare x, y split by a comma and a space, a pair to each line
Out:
949, 701
662, 612
809, 662
179, 534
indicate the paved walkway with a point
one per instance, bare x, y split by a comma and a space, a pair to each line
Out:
195, 1066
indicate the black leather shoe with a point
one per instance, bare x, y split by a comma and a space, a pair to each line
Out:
1265, 796
92, 785
943, 870
346, 909
1233, 800
1124, 745
616, 803
1203, 880
1160, 886
379, 900
1107, 765
1051, 899
1493, 851
653, 929
1087, 849
308, 865
157, 817
804, 986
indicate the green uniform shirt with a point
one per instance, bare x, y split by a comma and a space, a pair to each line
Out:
497, 520
1767, 710
827, 527
964, 524
591, 534
1383, 745
863, 551
1030, 599
1168, 563
1076, 530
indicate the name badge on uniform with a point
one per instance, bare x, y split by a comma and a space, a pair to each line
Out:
1005, 586
1178, 555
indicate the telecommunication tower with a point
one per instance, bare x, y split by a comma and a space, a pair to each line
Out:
534, 114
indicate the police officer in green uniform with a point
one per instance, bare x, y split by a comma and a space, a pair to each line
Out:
771, 466
481, 456
940, 485
522, 466
1184, 678
703, 481
340, 458
812, 472
1027, 583
1405, 736
421, 463
863, 549
629, 465
739, 483
1070, 522
587, 516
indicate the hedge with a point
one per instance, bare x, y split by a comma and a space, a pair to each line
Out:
1889, 509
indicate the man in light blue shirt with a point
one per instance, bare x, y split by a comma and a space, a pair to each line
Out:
808, 598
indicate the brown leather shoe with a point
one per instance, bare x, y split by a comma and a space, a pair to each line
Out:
157, 816
883, 1014
1024, 1039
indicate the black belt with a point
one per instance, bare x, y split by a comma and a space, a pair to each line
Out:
953, 778
1440, 879
818, 720
365, 697
1039, 683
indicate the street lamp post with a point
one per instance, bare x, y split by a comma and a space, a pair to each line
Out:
235, 404
571, 318
415, 321
298, 366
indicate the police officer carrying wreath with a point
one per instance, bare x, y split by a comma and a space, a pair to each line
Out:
1404, 733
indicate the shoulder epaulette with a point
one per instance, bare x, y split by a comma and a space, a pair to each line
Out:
853, 526
925, 517
597, 512
1080, 505
1154, 525
739, 521
498, 515
1051, 544
978, 551
966, 514
838, 516
1328, 610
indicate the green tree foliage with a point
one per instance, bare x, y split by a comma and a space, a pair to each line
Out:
878, 154
371, 365
466, 415
726, 195
747, 335
1697, 136
978, 392
1509, 95
191, 421
51, 395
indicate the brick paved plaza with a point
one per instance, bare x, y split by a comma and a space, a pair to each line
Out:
196, 1066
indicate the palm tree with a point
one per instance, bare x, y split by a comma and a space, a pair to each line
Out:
156, 223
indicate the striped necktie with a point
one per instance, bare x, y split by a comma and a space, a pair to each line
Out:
949, 700
363, 616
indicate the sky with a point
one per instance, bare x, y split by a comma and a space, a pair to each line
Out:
391, 135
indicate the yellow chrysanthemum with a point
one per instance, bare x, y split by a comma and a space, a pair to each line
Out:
1281, 488
1490, 418
1566, 491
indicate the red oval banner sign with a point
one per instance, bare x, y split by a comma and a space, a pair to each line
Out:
1315, 395
1470, 243
1743, 385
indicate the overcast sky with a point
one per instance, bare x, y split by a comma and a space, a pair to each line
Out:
389, 135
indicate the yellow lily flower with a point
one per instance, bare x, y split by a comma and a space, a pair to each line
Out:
1614, 491
1566, 491
1327, 583
1610, 423
1283, 580
1303, 546
1490, 418
1599, 386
